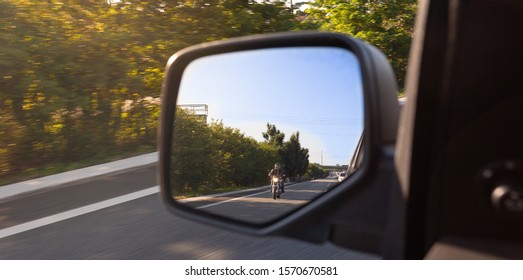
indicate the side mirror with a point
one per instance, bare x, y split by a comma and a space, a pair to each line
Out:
234, 108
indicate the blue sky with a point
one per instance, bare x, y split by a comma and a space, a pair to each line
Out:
314, 90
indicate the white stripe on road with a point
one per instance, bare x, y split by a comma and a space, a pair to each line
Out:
76, 212
229, 200
94, 207
237, 198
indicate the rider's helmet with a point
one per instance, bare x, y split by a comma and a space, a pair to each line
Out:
276, 166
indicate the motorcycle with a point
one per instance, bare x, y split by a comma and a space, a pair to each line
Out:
276, 183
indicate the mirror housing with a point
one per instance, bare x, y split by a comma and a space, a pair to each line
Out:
355, 213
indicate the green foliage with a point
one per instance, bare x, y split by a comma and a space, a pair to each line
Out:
386, 24
295, 158
195, 159
273, 136
210, 157
80, 78
315, 170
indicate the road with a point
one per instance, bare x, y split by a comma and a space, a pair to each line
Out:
48, 225
258, 206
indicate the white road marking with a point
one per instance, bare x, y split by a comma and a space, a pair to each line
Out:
76, 212
229, 200
95, 207
75, 175
238, 198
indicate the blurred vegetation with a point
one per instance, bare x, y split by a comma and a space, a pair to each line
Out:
316, 171
80, 79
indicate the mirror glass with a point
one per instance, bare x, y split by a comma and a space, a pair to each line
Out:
239, 114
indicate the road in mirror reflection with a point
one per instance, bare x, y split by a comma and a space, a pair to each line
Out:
257, 205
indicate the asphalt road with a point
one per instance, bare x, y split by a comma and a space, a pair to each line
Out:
136, 229
258, 206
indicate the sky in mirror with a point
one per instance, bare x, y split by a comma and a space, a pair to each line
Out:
314, 90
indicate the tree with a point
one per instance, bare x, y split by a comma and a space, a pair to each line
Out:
295, 158
292, 156
273, 136
194, 156
77, 76
389, 25
210, 157
315, 170
243, 159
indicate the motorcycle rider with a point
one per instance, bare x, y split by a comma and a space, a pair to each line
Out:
278, 171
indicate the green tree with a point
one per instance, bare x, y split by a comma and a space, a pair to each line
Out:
210, 157
273, 136
295, 158
245, 159
79, 78
256, 18
315, 170
194, 158
388, 25
292, 156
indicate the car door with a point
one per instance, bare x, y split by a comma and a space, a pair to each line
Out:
457, 140
450, 186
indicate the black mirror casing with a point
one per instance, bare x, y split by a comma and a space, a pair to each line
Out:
356, 213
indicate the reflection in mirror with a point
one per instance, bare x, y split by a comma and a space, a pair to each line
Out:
295, 113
